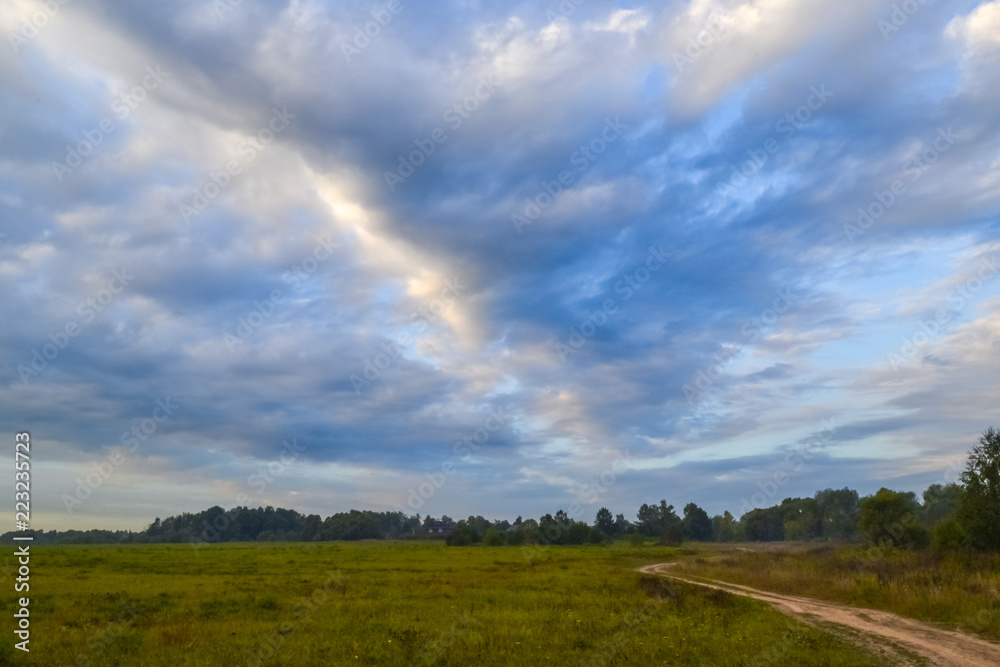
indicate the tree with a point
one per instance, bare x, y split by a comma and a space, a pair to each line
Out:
941, 502
764, 525
549, 530
673, 527
723, 527
697, 525
649, 520
577, 532
892, 517
800, 518
605, 522
673, 535
493, 538
463, 535
838, 512
622, 525
979, 509
311, 527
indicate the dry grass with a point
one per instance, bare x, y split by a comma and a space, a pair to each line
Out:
956, 590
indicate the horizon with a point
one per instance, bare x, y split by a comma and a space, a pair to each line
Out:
508, 258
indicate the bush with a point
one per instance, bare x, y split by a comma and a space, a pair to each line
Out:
890, 517
949, 534
493, 538
673, 535
462, 536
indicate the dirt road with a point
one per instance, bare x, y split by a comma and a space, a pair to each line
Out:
933, 645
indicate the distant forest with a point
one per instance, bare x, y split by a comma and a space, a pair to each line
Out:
963, 515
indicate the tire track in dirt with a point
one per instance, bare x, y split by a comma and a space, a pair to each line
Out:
945, 648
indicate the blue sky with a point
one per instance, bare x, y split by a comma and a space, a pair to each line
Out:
495, 258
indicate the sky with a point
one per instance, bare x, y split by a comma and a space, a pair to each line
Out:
494, 258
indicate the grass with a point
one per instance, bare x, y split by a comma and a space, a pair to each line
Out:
957, 590
384, 603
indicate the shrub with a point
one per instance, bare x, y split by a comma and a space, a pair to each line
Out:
493, 538
949, 534
890, 517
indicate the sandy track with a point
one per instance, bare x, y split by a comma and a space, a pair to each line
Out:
940, 647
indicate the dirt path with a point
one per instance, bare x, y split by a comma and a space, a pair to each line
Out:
939, 647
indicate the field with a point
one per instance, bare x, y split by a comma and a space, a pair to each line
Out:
392, 603
956, 590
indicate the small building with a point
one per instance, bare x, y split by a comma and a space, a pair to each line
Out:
439, 529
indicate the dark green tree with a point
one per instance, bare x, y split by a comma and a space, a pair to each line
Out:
723, 527
800, 518
697, 525
764, 525
941, 502
649, 523
979, 509
463, 535
622, 525
604, 522
838, 512
673, 526
892, 517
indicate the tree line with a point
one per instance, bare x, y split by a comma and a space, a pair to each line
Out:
957, 515
951, 516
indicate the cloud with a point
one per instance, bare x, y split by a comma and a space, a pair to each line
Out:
320, 232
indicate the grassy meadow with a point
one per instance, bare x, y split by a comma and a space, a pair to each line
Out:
392, 603
955, 589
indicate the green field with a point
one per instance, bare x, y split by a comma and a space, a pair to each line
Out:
392, 603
